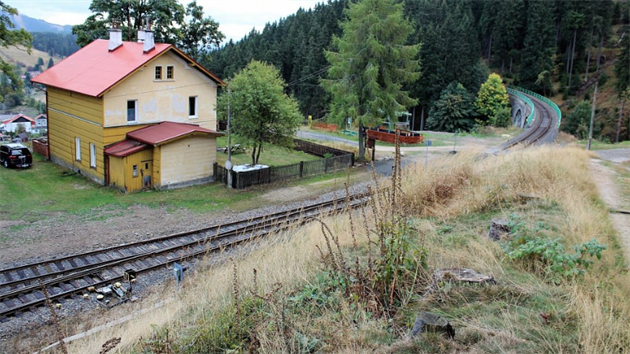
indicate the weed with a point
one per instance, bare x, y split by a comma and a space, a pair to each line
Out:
548, 256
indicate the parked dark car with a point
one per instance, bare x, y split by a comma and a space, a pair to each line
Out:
15, 155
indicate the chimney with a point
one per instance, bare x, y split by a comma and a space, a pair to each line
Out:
115, 38
149, 41
141, 35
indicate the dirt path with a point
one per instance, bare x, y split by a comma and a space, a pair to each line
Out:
612, 195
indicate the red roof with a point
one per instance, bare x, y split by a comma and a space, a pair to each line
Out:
125, 148
167, 131
94, 69
19, 116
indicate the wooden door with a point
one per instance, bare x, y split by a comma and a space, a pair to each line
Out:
146, 167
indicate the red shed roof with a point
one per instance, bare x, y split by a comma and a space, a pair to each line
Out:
167, 131
125, 148
17, 116
94, 69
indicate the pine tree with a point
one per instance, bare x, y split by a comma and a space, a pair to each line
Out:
450, 49
538, 45
369, 64
454, 111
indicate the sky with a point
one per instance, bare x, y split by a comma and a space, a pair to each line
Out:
236, 17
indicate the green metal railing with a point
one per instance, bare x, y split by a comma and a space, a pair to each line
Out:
525, 99
544, 99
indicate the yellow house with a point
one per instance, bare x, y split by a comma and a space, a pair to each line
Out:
100, 95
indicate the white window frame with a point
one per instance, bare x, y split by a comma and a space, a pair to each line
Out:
172, 68
92, 155
77, 148
196, 115
155, 73
135, 114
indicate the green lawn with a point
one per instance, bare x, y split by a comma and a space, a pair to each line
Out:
271, 155
599, 145
47, 191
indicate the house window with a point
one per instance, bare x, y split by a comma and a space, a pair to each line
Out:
192, 107
170, 72
132, 110
158, 73
92, 155
135, 170
77, 148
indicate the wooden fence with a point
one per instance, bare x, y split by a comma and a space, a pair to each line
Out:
40, 146
336, 160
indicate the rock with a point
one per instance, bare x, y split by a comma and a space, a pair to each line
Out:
430, 322
463, 275
498, 228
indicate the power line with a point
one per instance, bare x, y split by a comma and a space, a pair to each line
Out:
304, 78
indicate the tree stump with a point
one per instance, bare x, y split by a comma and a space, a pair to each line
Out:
430, 322
499, 228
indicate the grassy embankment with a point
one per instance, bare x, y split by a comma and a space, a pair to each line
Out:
363, 297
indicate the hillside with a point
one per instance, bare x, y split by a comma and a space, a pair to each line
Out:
19, 56
35, 25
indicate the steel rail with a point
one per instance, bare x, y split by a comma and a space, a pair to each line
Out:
538, 130
265, 224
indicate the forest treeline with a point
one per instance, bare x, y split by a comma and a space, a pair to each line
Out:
55, 44
533, 44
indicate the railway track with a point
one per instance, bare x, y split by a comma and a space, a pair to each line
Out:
21, 286
541, 129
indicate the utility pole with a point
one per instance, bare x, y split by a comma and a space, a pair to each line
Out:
228, 163
590, 129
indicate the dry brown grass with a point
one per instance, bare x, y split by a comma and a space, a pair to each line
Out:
465, 184
447, 191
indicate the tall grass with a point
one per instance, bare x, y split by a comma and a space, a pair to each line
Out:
465, 184
448, 206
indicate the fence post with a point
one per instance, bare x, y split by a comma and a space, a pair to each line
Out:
301, 168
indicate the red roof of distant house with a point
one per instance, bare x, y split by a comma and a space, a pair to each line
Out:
94, 69
167, 131
125, 148
16, 117
41, 116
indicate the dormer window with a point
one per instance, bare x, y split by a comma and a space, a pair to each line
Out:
170, 72
158, 73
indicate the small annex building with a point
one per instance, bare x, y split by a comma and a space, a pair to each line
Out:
114, 105
164, 154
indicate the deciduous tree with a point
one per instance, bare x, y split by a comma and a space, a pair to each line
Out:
491, 98
167, 19
198, 33
261, 112
11, 83
369, 63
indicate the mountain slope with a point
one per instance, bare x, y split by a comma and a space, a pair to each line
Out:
35, 25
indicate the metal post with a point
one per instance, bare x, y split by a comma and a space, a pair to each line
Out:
228, 164
426, 157
590, 129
